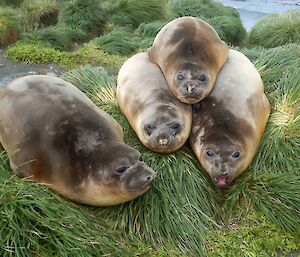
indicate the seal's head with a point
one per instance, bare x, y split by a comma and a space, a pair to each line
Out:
162, 137
118, 174
126, 169
191, 83
223, 161
164, 130
190, 53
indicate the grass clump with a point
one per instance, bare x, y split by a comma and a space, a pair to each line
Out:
229, 28
201, 9
250, 235
177, 211
89, 53
12, 3
8, 26
150, 29
280, 147
59, 38
83, 16
36, 222
34, 12
134, 12
274, 64
120, 41
276, 30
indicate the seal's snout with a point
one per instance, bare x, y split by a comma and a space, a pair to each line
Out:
163, 141
190, 88
149, 176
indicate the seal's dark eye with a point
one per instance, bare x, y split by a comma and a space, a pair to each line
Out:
236, 155
149, 128
210, 153
141, 159
174, 125
203, 78
121, 170
180, 77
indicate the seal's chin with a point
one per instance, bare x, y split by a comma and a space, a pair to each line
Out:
190, 98
222, 181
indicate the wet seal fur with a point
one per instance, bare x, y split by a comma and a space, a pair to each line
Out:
190, 54
160, 120
55, 135
229, 123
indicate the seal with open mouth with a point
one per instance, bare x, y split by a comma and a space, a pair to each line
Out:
229, 123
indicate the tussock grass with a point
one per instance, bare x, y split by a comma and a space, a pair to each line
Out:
8, 25
276, 30
120, 41
229, 28
83, 16
12, 3
177, 211
59, 38
134, 12
150, 29
33, 10
36, 222
274, 64
253, 53
201, 9
280, 147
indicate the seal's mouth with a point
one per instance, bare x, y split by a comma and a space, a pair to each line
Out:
190, 99
221, 181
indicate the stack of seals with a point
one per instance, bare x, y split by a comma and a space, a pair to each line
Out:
230, 109
55, 135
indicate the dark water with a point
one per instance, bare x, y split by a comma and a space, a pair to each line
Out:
10, 70
252, 10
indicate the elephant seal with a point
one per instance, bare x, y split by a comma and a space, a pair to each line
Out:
159, 119
55, 135
190, 54
229, 123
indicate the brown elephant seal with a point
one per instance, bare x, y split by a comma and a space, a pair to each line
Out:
55, 135
229, 123
159, 119
190, 54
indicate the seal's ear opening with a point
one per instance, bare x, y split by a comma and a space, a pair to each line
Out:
149, 127
175, 126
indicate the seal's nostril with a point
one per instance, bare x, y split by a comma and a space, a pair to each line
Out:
163, 141
149, 178
191, 89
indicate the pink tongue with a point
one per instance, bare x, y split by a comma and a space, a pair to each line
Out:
222, 180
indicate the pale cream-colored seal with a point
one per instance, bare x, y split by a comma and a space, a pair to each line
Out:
160, 120
190, 54
229, 123
55, 135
